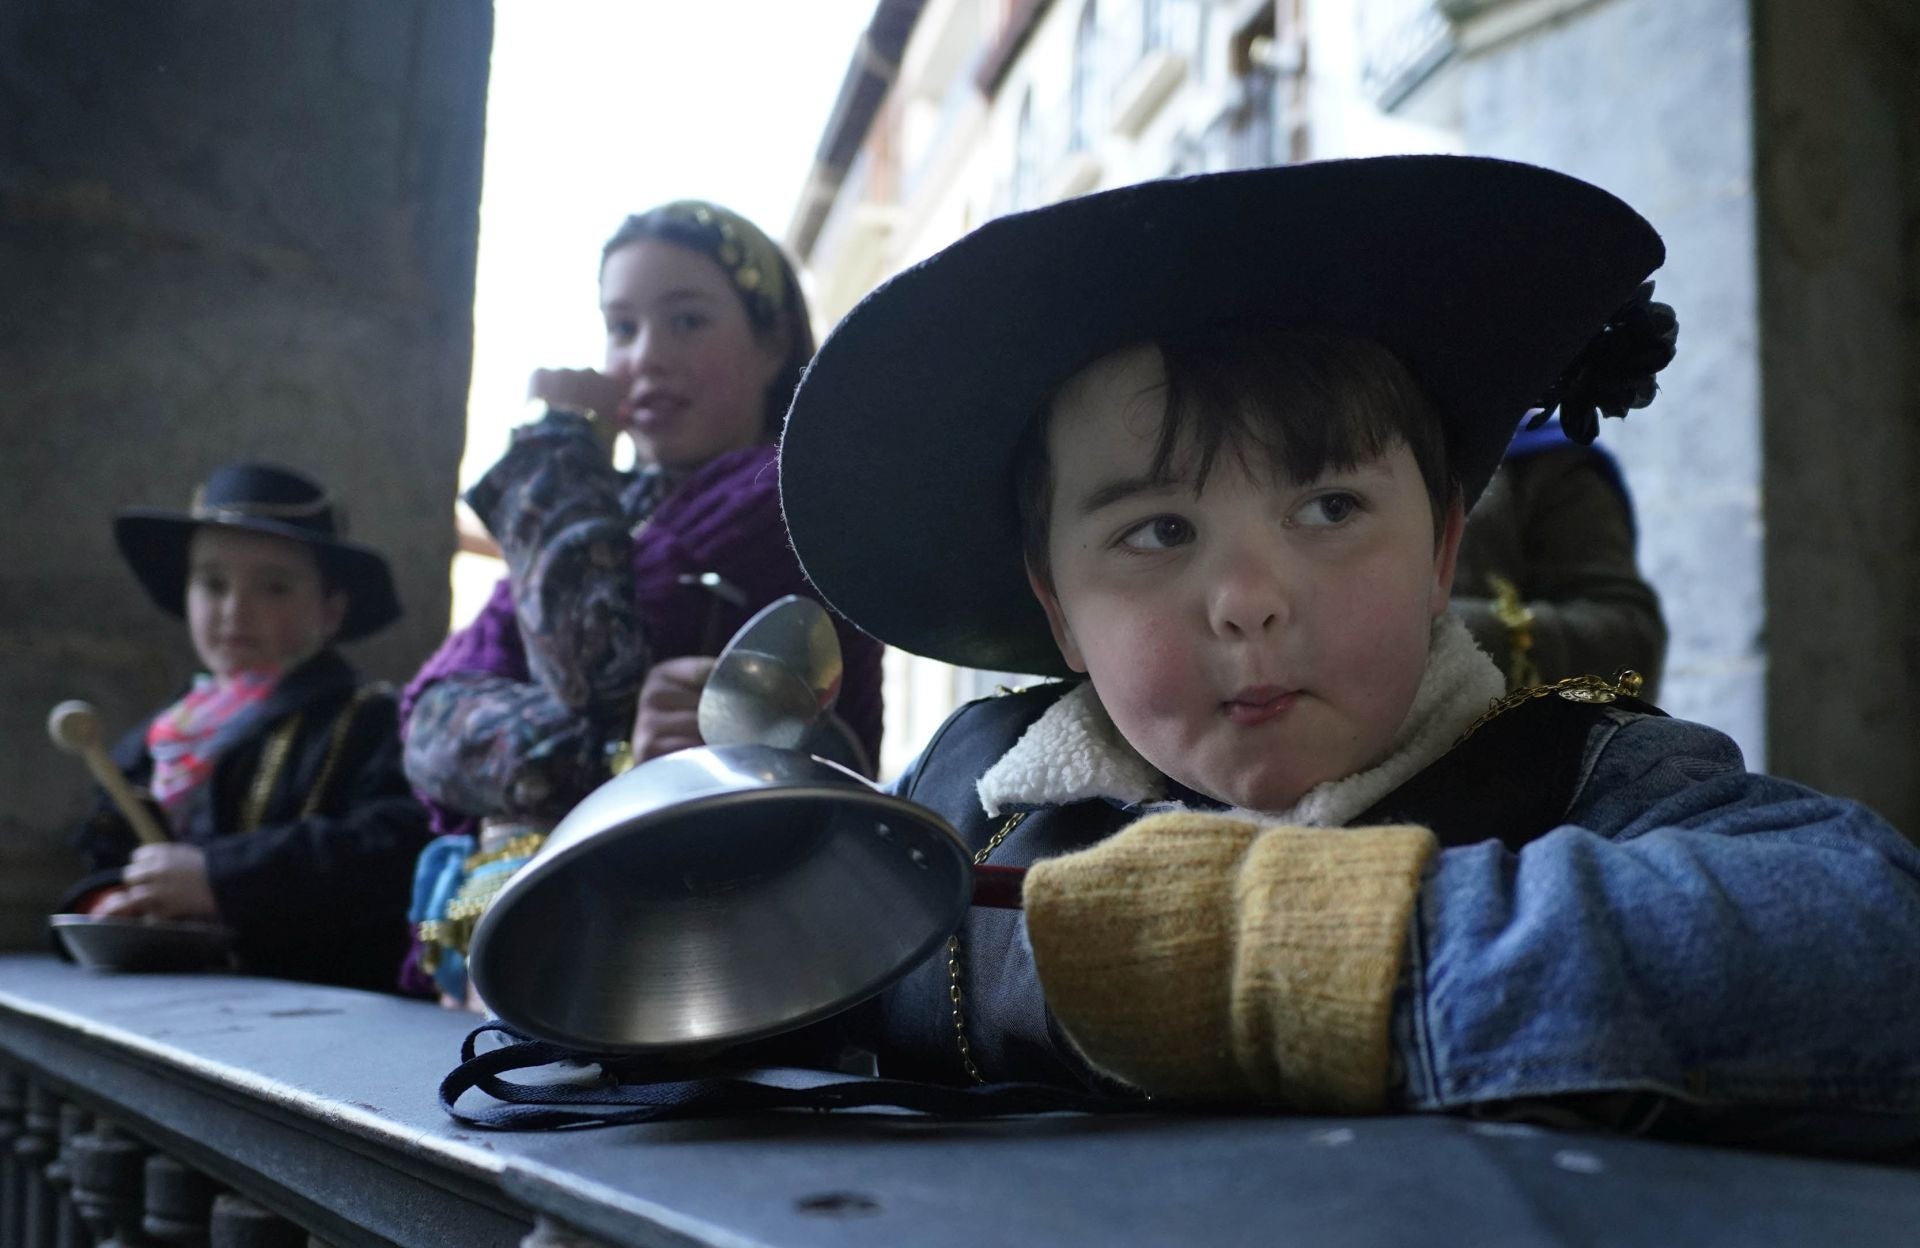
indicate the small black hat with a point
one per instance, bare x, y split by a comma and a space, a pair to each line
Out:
1489, 280
259, 498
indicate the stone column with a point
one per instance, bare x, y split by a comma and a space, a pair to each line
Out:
225, 231
1838, 144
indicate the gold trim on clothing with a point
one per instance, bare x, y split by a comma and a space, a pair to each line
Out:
273, 761
1522, 672
1626, 683
274, 754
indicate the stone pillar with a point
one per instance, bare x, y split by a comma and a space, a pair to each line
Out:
225, 231
1838, 86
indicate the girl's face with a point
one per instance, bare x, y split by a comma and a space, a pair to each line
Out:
256, 601
695, 371
1251, 639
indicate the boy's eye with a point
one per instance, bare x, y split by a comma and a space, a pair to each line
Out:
1328, 509
687, 321
1159, 533
622, 331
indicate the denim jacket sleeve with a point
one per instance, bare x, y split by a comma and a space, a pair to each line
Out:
1694, 931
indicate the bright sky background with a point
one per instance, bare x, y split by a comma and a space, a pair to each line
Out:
599, 108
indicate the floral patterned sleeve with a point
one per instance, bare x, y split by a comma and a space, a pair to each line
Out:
482, 742
491, 745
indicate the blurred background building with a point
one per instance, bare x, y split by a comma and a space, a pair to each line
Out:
1775, 145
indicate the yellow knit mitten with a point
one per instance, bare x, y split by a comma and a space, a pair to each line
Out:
1196, 956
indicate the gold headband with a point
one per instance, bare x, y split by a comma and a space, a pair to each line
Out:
748, 255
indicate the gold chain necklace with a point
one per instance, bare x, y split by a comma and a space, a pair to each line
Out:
1592, 689
954, 993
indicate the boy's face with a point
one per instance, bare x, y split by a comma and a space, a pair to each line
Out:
1252, 641
256, 601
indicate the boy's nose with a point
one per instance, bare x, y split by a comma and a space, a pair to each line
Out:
1245, 618
1249, 597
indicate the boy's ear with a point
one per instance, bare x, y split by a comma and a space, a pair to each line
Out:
1446, 555
1056, 620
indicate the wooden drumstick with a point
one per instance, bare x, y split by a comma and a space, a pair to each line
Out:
75, 727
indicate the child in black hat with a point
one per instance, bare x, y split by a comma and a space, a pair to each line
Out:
1204, 448
277, 775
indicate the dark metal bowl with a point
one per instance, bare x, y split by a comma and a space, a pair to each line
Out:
114, 943
717, 895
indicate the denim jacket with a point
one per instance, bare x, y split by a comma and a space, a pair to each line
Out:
1692, 929
1687, 933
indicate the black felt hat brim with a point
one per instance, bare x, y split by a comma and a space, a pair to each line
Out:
1485, 277
156, 542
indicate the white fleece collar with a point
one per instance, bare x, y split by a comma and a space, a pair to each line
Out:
1074, 752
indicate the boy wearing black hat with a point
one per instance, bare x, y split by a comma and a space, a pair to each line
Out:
277, 775
1287, 842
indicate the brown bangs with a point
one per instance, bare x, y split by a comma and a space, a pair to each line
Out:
1290, 404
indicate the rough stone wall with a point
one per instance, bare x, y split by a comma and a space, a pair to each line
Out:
226, 230
1652, 99
1838, 88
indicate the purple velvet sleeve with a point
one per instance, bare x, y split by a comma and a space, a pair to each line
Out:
726, 519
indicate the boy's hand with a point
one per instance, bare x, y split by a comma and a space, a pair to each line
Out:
668, 717
1202, 957
165, 882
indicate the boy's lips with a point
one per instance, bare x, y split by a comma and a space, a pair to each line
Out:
1258, 704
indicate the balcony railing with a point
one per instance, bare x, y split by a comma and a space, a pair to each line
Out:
218, 1109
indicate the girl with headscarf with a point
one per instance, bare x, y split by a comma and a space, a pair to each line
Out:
621, 587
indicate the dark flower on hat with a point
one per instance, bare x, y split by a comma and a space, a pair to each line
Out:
1615, 372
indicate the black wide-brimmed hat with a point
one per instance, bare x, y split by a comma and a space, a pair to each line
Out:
258, 498
1502, 287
